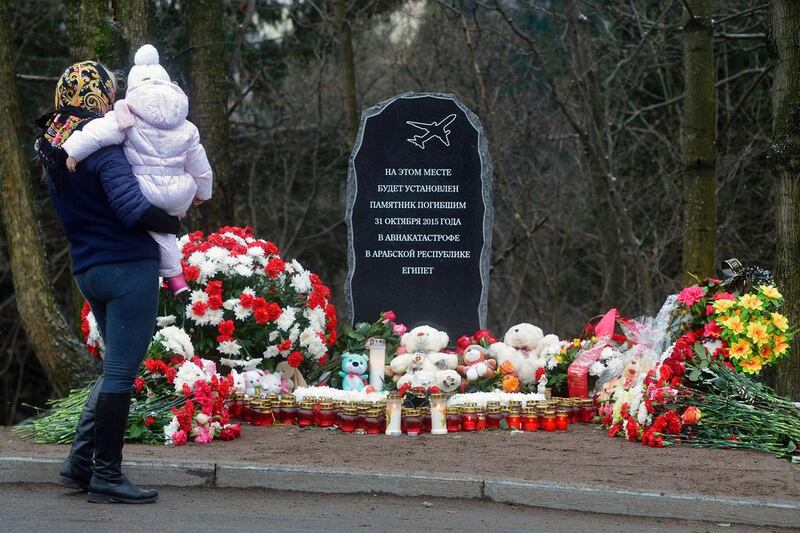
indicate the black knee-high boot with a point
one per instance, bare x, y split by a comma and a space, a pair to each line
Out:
109, 484
76, 472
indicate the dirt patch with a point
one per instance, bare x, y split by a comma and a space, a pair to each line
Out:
583, 455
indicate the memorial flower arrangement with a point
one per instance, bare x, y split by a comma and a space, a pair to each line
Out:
703, 390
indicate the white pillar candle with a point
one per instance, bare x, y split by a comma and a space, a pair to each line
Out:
394, 408
377, 362
438, 418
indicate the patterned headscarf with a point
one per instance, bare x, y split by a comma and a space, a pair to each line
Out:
85, 91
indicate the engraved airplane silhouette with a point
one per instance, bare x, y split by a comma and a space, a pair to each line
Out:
439, 130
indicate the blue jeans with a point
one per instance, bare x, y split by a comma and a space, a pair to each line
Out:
124, 301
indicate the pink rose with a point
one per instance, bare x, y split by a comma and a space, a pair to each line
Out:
179, 438
399, 329
389, 316
691, 295
204, 435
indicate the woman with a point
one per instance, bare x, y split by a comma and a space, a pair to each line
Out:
115, 262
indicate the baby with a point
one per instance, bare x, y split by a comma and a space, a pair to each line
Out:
162, 146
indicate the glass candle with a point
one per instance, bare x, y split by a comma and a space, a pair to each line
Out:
412, 422
562, 419
425, 413
245, 412
493, 417
326, 417
373, 421
453, 419
377, 362
587, 411
481, 425
530, 419
305, 415
514, 404
469, 418
394, 408
347, 419
574, 411
288, 412
361, 420
514, 418
438, 414
540, 410
549, 421
261, 412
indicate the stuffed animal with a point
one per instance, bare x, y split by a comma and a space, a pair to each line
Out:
424, 364
272, 383
476, 365
291, 376
524, 349
238, 381
252, 381
354, 368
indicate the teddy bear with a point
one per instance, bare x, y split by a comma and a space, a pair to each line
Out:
272, 383
292, 377
476, 365
354, 368
524, 350
424, 364
252, 381
238, 381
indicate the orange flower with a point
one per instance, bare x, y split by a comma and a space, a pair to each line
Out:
765, 353
741, 348
722, 306
780, 321
507, 368
770, 292
511, 383
734, 324
780, 345
750, 301
751, 366
691, 416
757, 331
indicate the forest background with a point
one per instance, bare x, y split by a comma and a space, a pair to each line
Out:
634, 141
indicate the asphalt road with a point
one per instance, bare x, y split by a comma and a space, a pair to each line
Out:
39, 508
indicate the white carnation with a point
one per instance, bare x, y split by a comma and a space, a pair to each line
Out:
301, 282
229, 347
196, 259
271, 352
286, 320
164, 321
175, 340
243, 271
294, 333
217, 253
188, 374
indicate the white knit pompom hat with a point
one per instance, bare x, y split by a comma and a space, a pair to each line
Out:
146, 67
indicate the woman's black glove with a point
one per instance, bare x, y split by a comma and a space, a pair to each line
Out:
155, 219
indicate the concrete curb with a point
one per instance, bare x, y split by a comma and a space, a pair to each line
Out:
583, 498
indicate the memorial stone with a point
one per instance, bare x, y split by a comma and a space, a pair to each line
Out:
419, 214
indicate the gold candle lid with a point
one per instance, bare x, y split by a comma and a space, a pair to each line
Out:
493, 410
326, 404
529, 410
410, 411
454, 410
307, 404
350, 410
375, 412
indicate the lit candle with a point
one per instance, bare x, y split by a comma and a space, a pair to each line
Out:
438, 415
394, 407
377, 362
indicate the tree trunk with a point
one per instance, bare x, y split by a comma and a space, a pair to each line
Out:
134, 18
348, 67
59, 352
92, 34
208, 90
699, 150
784, 163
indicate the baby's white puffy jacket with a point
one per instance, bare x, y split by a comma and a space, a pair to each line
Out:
161, 145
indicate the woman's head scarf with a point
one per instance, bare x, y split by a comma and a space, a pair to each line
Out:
85, 91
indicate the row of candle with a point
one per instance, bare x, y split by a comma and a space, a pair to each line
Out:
392, 418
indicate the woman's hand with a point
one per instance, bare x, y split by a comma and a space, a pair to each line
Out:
71, 164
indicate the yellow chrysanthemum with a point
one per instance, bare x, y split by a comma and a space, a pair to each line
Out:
734, 324
741, 348
770, 292
757, 331
780, 345
780, 321
722, 306
751, 366
750, 301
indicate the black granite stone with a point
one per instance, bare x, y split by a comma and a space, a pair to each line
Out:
419, 214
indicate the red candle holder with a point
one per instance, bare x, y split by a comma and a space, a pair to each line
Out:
426, 419
453, 419
549, 421
374, 421
562, 420
530, 420
412, 422
288, 412
305, 415
326, 417
587, 411
469, 419
514, 419
347, 419
493, 417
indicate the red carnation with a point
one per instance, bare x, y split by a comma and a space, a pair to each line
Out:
226, 328
179, 438
463, 341
149, 421
138, 384
246, 300
214, 302
273, 311
275, 267
191, 273
199, 308
295, 359
214, 288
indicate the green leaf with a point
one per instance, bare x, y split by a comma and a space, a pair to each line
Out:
694, 375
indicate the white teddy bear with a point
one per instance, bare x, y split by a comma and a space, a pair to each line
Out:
252, 381
424, 364
272, 383
526, 349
